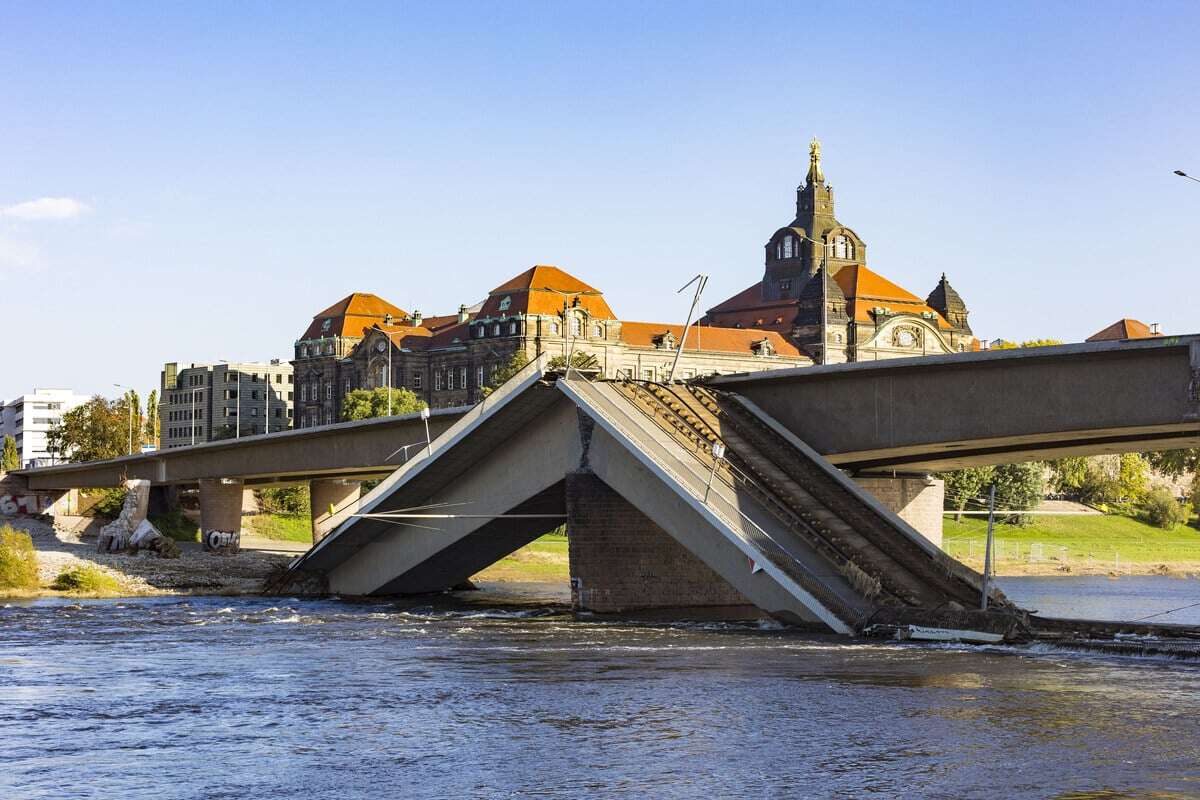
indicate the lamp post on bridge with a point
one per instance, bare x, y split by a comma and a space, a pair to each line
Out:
1183, 174
129, 404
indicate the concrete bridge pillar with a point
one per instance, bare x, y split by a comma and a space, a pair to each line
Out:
325, 494
916, 499
621, 561
221, 514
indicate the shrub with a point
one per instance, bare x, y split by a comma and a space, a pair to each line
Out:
105, 502
176, 525
284, 499
18, 560
86, 579
1162, 510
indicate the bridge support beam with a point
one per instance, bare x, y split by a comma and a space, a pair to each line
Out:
221, 514
916, 499
325, 494
623, 562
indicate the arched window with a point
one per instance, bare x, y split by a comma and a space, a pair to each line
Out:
512, 328
480, 332
597, 331
787, 247
496, 329
779, 250
576, 328
554, 328
843, 247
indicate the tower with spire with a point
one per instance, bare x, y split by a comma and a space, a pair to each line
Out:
817, 289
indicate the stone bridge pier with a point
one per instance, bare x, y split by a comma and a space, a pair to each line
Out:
917, 499
622, 562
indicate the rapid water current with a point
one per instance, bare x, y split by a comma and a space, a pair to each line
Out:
510, 696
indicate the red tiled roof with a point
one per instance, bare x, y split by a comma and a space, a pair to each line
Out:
705, 338
544, 289
351, 315
865, 290
1123, 329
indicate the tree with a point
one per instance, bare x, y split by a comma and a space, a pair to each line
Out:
965, 485
1069, 474
514, 365
1196, 497
150, 430
1004, 344
580, 360
1133, 477
1175, 463
1020, 487
96, 430
12, 458
369, 403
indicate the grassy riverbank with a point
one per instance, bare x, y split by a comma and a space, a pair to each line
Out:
1088, 544
281, 527
542, 561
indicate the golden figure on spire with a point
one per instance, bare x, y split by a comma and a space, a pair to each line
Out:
815, 175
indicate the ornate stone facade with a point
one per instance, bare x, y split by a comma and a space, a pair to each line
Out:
365, 342
817, 290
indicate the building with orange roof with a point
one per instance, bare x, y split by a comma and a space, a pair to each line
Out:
1125, 329
818, 292
363, 341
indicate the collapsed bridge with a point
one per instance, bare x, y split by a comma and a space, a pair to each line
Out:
654, 520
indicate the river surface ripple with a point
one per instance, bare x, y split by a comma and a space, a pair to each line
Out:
277, 698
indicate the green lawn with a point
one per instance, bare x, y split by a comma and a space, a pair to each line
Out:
1073, 539
543, 560
286, 527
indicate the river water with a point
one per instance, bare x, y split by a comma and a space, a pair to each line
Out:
502, 696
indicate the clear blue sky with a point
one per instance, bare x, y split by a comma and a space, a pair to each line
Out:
219, 172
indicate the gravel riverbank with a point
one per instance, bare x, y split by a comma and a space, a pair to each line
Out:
194, 572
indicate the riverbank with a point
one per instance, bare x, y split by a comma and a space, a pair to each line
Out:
1077, 545
195, 572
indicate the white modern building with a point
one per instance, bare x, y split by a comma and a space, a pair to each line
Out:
29, 418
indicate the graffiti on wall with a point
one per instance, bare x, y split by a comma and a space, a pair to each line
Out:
222, 541
25, 503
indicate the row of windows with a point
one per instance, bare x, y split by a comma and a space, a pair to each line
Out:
307, 350
175, 416
842, 246
481, 330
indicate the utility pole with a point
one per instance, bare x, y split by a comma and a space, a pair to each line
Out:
987, 553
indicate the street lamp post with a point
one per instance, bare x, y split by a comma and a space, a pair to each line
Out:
1183, 174
129, 404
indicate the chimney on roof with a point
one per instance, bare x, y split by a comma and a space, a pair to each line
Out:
1154, 329
416, 318
463, 316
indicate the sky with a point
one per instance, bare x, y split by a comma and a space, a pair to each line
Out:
193, 182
